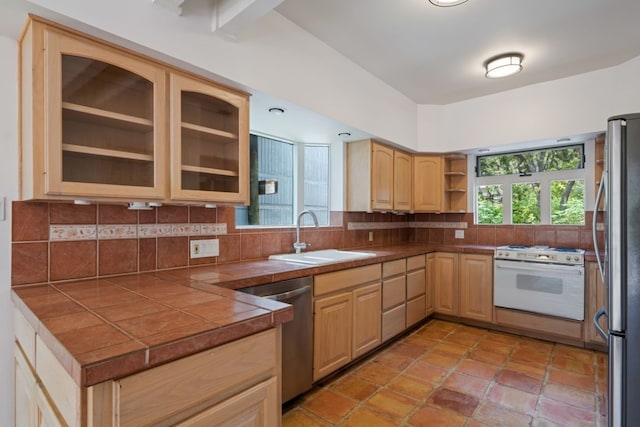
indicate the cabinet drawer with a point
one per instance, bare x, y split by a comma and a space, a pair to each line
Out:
393, 322
416, 262
196, 381
393, 292
416, 283
416, 310
393, 268
344, 279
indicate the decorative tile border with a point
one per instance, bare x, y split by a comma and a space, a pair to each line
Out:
376, 225
435, 224
61, 233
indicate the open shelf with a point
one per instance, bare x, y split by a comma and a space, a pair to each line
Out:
103, 152
209, 171
455, 173
108, 118
209, 131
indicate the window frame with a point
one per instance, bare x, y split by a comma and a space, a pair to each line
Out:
298, 182
544, 178
506, 153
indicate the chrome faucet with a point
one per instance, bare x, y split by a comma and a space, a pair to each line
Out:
298, 245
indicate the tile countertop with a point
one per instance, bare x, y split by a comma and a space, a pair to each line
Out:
102, 329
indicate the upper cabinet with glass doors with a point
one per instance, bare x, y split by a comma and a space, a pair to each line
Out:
92, 119
102, 123
209, 142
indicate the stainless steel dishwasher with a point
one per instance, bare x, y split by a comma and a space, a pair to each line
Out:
297, 335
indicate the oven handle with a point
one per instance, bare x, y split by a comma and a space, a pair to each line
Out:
540, 267
596, 318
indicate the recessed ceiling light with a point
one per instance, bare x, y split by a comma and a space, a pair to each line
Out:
503, 65
276, 110
483, 150
447, 3
344, 134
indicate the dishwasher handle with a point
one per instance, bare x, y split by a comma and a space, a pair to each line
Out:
286, 295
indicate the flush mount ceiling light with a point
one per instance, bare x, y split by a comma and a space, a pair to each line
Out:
344, 134
447, 3
276, 110
503, 65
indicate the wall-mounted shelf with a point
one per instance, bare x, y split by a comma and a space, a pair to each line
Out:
455, 183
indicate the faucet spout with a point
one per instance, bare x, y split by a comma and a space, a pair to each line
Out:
298, 245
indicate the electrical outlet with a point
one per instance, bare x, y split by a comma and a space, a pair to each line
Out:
459, 234
371, 236
205, 248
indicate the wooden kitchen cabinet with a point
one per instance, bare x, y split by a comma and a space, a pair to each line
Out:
440, 183
346, 316
394, 297
596, 298
366, 319
92, 119
446, 283
94, 125
209, 142
416, 289
427, 183
374, 172
476, 287
235, 382
402, 181
431, 281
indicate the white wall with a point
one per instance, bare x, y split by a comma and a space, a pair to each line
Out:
9, 190
293, 65
571, 106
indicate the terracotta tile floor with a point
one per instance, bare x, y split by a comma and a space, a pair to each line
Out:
445, 374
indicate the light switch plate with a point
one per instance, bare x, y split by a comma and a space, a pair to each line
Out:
459, 234
205, 248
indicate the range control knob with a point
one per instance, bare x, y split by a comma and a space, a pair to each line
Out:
499, 253
576, 259
568, 258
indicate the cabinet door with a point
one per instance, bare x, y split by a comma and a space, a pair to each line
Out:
381, 177
47, 414
209, 142
24, 389
476, 287
596, 299
427, 183
366, 318
103, 123
402, 181
431, 283
256, 407
332, 320
446, 283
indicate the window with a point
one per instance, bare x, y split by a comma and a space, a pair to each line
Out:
544, 186
296, 178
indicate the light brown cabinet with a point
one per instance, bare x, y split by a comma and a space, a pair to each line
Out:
476, 287
446, 283
596, 298
431, 281
416, 289
94, 125
394, 297
402, 181
346, 316
374, 173
209, 142
236, 382
440, 183
427, 183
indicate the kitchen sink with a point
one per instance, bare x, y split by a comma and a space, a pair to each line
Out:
322, 257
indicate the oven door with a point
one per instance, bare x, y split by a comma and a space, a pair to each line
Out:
556, 290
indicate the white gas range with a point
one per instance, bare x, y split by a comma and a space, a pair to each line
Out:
540, 279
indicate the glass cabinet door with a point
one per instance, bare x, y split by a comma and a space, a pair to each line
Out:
104, 134
209, 142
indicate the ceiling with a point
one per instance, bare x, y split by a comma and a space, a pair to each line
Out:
435, 55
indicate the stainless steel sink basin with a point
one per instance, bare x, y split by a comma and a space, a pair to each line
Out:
322, 257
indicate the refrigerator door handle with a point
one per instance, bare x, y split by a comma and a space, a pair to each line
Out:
596, 318
594, 228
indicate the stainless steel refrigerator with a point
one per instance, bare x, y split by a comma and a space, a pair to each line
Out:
620, 266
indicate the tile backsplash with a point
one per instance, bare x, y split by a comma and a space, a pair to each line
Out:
60, 241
